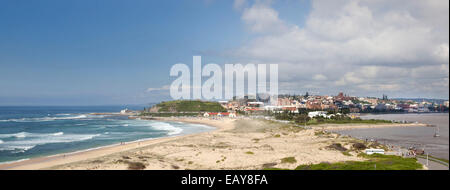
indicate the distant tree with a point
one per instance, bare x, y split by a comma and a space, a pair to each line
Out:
301, 118
302, 111
345, 110
306, 95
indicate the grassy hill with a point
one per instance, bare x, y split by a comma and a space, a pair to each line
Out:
187, 106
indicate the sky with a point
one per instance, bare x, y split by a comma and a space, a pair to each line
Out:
110, 52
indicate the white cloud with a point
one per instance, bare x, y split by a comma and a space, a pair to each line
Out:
320, 77
165, 87
260, 18
359, 45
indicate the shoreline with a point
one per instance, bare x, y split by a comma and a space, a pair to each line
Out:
368, 126
222, 127
65, 158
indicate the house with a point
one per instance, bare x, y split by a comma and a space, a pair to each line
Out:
212, 114
125, 111
228, 114
317, 114
208, 114
291, 109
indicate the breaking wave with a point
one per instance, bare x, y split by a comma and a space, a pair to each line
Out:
43, 119
25, 141
166, 127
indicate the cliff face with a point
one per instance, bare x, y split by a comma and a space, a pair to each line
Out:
154, 109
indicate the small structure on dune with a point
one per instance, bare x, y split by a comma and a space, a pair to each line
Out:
219, 114
374, 151
125, 111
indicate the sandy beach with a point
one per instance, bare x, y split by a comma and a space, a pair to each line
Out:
235, 144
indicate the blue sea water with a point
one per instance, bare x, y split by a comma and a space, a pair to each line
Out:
27, 132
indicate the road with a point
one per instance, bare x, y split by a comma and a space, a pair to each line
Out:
433, 164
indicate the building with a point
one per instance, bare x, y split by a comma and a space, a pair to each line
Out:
317, 114
219, 114
291, 109
125, 111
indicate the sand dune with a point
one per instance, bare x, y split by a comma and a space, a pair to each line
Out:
236, 144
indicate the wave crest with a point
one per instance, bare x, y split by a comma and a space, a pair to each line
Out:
43, 119
28, 141
166, 127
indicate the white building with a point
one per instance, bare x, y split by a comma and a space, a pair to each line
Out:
373, 151
317, 114
125, 111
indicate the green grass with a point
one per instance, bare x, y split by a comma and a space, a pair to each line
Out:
346, 153
168, 114
289, 160
346, 121
190, 106
301, 119
382, 162
441, 159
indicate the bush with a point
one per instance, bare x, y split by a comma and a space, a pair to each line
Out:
136, 166
359, 146
337, 146
289, 160
382, 162
346, 153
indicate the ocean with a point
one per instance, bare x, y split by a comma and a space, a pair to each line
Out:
419, 137
28, 132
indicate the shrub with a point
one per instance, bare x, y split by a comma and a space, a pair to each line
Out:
136, 166
359, 146
337, 146
289, 160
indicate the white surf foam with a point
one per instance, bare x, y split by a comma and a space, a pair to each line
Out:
58, 134
30, 140
26, 134
16, 135
42, 119
166, 127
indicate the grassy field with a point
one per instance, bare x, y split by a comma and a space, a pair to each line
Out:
184, 108
303, 119
373, 162
168, 114
441, 159
346, 121
190, 106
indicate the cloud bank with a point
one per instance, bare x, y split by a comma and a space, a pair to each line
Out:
363, 47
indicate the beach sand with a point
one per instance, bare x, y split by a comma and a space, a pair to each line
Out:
236, 144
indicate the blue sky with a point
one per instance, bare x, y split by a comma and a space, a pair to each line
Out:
104, 51
95, 52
